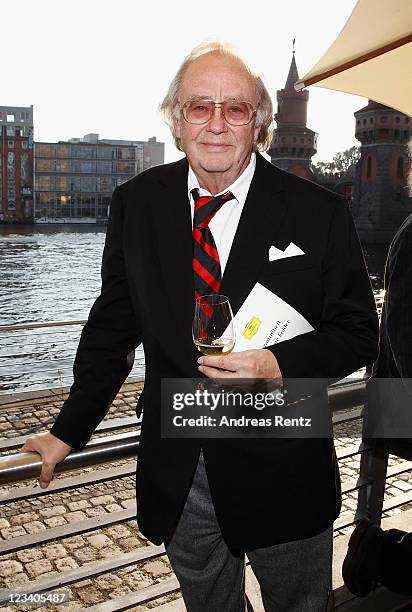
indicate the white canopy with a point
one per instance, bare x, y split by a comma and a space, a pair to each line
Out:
372, 56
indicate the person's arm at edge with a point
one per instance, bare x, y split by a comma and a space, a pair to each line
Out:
398, 309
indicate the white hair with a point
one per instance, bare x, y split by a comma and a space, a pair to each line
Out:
170, 105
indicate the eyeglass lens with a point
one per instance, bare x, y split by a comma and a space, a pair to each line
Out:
200, 111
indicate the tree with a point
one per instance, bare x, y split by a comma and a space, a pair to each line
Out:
345, 161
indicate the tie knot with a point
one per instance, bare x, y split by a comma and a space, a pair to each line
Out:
207, 206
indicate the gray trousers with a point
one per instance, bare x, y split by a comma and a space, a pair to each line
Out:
293, 577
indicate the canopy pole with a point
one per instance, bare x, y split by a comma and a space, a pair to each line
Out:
299, 85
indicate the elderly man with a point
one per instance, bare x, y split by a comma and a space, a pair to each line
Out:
212, 500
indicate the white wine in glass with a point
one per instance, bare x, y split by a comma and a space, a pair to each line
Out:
213, 329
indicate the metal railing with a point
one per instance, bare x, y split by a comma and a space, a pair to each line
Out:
40, 355
21, 466
37, 356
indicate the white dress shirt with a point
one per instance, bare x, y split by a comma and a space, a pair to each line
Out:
224, 224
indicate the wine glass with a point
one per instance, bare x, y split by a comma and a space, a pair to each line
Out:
213, 329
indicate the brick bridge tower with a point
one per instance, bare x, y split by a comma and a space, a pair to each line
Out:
293, 144
381, 200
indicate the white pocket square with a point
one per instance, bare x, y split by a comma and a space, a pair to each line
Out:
291, 251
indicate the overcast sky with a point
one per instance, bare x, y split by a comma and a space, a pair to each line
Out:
103, 66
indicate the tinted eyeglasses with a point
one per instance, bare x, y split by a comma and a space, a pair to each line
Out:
234, 112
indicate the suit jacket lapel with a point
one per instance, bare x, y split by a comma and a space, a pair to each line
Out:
173, 226
259, 227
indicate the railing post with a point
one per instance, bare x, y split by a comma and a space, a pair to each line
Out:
372, 473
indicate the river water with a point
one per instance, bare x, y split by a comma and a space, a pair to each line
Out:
52, 273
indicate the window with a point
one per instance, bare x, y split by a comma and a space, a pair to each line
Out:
104, 152
10, 144
44, 165
24, 144
62, 165
62, 150
399, 168
45, 150
10, 118
105, 167
75, 184
87, 166
88, 184
397, 119
61, 183
125, 167
43, 183
82, 151
123, 153
106, 183
368, 167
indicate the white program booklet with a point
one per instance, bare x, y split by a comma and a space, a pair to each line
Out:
264, 319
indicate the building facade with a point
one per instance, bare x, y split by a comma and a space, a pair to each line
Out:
16, 164
293, 144
381, 201
153, 153
74, 180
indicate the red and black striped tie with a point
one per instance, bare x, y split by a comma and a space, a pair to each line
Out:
206, 262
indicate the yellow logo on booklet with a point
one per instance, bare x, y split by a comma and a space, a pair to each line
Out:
251, 328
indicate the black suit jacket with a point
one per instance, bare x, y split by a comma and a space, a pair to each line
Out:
390, 388
261, 489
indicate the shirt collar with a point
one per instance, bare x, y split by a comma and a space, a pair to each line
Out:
239, 187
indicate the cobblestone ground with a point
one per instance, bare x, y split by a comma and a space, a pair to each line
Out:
346, 436
28, 516
38, 413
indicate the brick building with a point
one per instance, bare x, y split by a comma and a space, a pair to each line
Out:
381, 201
16, 164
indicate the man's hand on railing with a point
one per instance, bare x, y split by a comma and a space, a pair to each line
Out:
52, 450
